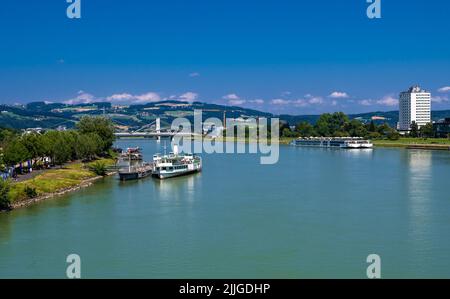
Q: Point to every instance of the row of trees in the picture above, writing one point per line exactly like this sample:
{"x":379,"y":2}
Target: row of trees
{"x":94,"y":136}
{"x":339,"y":125}
{"x":426,"y":131}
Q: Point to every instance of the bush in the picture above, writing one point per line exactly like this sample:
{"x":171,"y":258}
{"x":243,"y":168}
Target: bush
{"x":5,"y":186}
{"x":99,"y":168}
{"x":393,"y":135}
{"x":30,"y":192}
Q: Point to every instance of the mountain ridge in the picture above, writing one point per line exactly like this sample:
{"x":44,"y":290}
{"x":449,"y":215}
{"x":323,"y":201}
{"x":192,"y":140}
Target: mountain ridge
{"x":52,"y":115}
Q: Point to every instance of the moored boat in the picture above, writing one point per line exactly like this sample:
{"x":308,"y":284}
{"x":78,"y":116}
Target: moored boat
{"x":334,"y":142}
{"x":135,"y":172}
{"x":175,"y":164}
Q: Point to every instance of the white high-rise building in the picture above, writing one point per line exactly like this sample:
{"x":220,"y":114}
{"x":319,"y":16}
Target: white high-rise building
{"x":415,"y":105}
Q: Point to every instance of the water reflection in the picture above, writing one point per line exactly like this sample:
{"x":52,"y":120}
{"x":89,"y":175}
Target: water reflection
{"x":178,"y":188}
{"x":419,"y":192}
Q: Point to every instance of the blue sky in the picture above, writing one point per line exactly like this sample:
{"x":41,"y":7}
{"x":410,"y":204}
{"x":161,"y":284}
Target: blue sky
{"x":295,"y":57}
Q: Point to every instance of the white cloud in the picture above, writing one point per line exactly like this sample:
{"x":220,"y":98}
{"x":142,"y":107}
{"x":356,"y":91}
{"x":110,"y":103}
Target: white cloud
{"x":231,"y":96}
{"x":439,"y":99}
{"x":236,"y":102}
{"x":188,"y":97}
{"x":193,"y":75}
{"x":334,"y":103}
{"x":146,"y":98}
{"x":120,"y":97}
{"x":339,"y":95}
{"x":257,"y":101}
{"x":300,"y":103}
{"x":315,"y":100}
{"x":444,"y":89}
{"x":388,"y":101}
{"x":280,"y":102}
{"x":366,"y":102}
{"x":134,"y":99}
{"x":81,"y":98}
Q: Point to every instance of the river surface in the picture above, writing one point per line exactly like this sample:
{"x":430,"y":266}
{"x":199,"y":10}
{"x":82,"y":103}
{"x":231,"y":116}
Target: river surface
{"x":315,"y":214}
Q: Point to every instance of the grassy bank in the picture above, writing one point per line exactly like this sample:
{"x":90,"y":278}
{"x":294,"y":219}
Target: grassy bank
{"x":54,"y":180}
{"x":405,"y":142}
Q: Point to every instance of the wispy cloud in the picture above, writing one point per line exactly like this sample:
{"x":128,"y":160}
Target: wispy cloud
{"x":439,"y":99}
{"x":134,"y":99}
{"x":444,"y":89}
{"x":257,"y":101}
{"x":231,"y":96}
{"x":120,"y":97}
{"x":315,"y":100}
{"x":188,"y":97}
{"x":388,"y":100}
{"x":81,"y":98}
{"x":307,"y":101}
{"x":280,"y":102}
{"x":236,"y":102}
{"x":366,"y":102}
{"x":233,"y":99}
{"x":194,"y":74}
{"x":339,"y":95}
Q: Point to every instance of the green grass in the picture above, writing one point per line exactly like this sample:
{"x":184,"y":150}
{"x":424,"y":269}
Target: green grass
{"x":55,"y":180}
{"x":403,"y":142}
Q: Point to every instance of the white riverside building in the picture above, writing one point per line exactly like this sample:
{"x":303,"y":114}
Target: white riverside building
{"x":415,"y":105}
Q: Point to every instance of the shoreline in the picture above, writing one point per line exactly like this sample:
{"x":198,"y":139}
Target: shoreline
{"x":84,"y":184}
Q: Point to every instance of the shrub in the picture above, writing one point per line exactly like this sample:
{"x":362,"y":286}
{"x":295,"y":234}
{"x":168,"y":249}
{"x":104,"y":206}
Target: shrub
{"x":99,"y":168}
{"x":30,"y":192}
{"x":393,"y":135}
{"x":5,"y":186}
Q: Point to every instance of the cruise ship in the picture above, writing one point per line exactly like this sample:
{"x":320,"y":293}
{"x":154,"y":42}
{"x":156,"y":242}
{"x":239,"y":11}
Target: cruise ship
{"x":334,"y":142}
{"x":175,"y":164}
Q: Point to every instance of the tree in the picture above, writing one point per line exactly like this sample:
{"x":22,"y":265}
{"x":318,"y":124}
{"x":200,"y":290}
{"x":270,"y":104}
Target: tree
{"x":5,"y":186}
{"x":57,"y":147}
{"x":414,"y":130}
{"x":355,"y":128}
{"x":101,"y":126}
{"x":332,"y":124}
{"x":87,"y":146}
{"x":61,"y":151}
{"x":427,"y":131}
{"x":372,"y":127}
{"x":322,"y":125}
{"x":305,"y":129}
{"x":15,"y":152}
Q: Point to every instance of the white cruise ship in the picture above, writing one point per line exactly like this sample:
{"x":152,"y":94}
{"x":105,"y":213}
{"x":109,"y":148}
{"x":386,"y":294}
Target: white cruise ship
{"x":175,"y":164}
{"x":334,"y":142}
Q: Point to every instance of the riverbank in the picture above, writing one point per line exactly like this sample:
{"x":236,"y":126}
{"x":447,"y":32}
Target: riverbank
{"x":415,"y":143}
{"x":54,"y":182}
{"x":411,"y":143}
{"x":281,"y":140}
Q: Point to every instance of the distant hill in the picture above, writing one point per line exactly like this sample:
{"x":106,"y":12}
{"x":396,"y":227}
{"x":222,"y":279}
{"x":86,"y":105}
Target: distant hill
{"x":390,"y":117}
{"x":52,"y":115}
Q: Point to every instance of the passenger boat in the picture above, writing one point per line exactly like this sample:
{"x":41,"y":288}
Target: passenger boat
{"x":334,"y":142}
{"x":175,"y":164}
{"x":136,"y":172}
